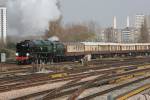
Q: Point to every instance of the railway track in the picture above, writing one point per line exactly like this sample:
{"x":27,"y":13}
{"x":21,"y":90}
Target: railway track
{"x":133,"y":92}
{"x":44,"y":77}
{"x":7,"y":69}
{"x":75,"y":75}
{"x":97,"y":65}
{"x":87,"y":85}
{"x":13,"y":69}
{"x":80,"y":70}
{"x":113,"y":88}
{"x":75,"y":86}
{"x":106,"y":61}
{"x":108,"y":78}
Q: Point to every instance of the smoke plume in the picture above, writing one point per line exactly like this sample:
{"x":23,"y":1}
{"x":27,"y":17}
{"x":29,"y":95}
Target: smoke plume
{"x":53,"y":38}
{"x":31,"y":16}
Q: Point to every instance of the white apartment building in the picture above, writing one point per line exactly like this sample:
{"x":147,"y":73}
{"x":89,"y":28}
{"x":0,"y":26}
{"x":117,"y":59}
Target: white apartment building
{"x":139,"y":20}
{"x":3,"y":24}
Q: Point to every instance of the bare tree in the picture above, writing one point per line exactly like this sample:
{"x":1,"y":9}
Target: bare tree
{"x":78,"y":32}
{"x":71,"y":32}
{"x":55,"y":28}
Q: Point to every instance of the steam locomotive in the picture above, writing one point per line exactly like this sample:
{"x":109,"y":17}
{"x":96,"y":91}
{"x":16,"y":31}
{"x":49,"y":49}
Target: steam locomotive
{"x":45,"y":51}
{"x":38,"y":50}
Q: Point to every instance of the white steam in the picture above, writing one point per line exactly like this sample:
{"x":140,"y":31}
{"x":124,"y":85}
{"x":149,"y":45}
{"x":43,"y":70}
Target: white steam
{"x":53,"y":38}
{"x":31,"y":16}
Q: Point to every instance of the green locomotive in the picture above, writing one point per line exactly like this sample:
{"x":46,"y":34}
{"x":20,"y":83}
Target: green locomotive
{"x":39,"y":51}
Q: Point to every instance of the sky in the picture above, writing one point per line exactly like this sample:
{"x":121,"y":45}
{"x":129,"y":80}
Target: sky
{"x":102,"y":11}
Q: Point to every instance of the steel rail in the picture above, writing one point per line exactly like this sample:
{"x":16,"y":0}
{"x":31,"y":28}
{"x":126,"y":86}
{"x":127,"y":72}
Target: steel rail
{"x":113,"y":88}
{"x":80,"y":90}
